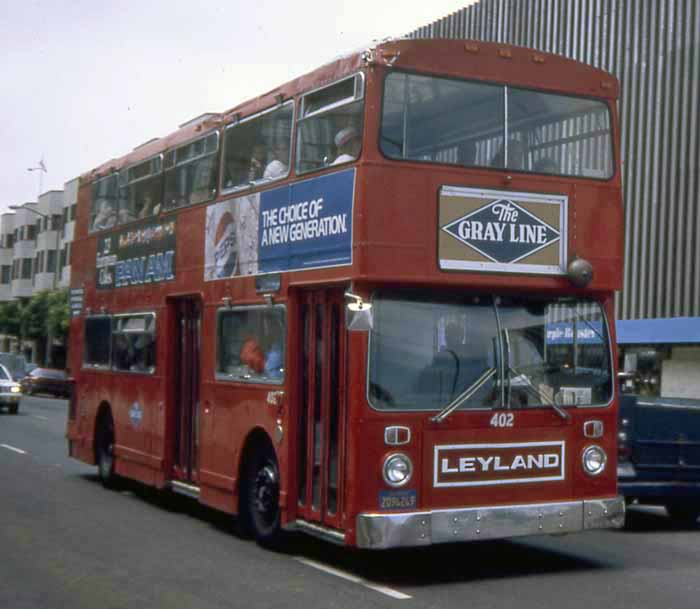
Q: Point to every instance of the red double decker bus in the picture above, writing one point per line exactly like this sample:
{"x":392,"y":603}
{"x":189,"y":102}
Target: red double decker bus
{"x":374,"y":304}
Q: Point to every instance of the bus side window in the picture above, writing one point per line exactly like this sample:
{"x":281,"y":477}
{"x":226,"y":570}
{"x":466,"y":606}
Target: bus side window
{"x":103,"y":211}
{"x":141,"y":189}
{"x":191,"y":172}
{"x":97,"y":341}
{"x":258,"y":148}
{"x":251,"y":344}
{"x":133,"y":343}
{"x":329,"y":130}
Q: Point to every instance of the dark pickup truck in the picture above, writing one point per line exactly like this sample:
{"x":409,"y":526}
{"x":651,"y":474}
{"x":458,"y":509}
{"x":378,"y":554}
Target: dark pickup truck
{"x":659,"y":454}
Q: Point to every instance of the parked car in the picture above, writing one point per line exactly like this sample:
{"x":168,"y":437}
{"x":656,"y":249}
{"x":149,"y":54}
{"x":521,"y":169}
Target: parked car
{"x":29,"y":366}
{"x":15,"y":363}
{"x":46,"y":380}
{"x":659,"y":454}
{"x":10,"y":392}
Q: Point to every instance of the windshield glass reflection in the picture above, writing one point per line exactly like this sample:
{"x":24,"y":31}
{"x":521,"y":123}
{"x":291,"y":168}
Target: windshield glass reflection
{"x":520,"y":353}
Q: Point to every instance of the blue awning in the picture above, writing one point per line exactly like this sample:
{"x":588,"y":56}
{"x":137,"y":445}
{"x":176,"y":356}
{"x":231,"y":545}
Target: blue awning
{"x":654,"y":331}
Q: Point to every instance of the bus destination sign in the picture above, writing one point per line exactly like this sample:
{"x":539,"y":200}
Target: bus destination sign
{"x":139,"y":255}
{"x":307,"y":225}
{"x":487,"y":230}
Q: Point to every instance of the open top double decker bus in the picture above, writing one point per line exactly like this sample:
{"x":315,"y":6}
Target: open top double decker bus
{"x":374,"y":304}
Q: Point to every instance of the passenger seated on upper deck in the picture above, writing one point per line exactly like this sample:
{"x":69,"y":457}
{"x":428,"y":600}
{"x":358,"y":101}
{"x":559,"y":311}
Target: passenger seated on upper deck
{"x":348,"y":143}
{"x":517,"y":156}
{"x":257,"y":163}
{"x":148,"y":208}
{"x":279,"y":165}
{"x":126,"y":214}
{"x":105,"y":216}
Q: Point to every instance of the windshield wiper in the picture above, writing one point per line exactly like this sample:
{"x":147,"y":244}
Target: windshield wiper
{"x":558,"y":409}
{"x":464,"y":396}
{"x":592,"y":327}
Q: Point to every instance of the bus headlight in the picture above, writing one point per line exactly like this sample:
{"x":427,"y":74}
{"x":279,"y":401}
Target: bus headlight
{"x":594,"y":460}
{"x":397,"y":469}
{"x":15,"y":389}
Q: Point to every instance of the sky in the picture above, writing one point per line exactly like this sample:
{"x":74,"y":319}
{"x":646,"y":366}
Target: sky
{"x":84,"y":81}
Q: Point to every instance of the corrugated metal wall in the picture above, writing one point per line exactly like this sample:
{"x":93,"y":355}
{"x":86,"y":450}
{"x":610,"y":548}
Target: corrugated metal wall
{"x":653,"y":47}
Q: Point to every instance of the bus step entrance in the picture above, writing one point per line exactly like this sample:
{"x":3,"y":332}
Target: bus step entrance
{"x":181,"y":488}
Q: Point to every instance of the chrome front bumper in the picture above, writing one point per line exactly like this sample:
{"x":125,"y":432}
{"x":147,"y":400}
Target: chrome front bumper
{"x":379,"y":531}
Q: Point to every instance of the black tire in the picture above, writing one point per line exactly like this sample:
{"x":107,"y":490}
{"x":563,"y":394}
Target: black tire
{"x":13,"y":408}
{"x":260,"y":506}
{"x":686,"y":514}
{"x":104,"y":451}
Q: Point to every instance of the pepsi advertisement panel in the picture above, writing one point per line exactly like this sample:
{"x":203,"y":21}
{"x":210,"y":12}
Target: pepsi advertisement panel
{"x":300,"y":226}
{"x":140,"y":255}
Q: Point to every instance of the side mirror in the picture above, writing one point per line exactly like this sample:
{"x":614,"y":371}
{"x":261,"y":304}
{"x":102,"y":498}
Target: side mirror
{"x":359,"y":320}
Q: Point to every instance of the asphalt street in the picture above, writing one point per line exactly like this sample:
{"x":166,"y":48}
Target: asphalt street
{"x":67,"y":543}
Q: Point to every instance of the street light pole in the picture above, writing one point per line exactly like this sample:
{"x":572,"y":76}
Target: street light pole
{"x":47,"y":218}
{"x":41,"y":168}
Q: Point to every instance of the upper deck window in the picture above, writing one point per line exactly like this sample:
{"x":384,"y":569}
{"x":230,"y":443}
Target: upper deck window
{"x":141,"y":190}
{"x":477,"y":124}
{"x":329,"y":131}
{"x":105,"y":202}
{"x":257,"y":149}
{"x":191,"y":172}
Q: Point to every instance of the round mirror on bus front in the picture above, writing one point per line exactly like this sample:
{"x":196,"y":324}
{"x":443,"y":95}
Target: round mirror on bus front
{"x":580,"y":272}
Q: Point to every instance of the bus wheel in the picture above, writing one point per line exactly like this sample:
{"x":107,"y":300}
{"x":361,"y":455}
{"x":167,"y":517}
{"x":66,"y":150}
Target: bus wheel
{"x":686,"y":514}
{"x":14,"y":408}
{"x":105,"y":450}
{"x":261,"y":497}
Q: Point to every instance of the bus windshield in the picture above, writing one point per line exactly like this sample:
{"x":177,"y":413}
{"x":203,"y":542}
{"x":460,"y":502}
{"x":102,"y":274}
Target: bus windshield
{"x":487,"y":352}
{"x":477,"y":124}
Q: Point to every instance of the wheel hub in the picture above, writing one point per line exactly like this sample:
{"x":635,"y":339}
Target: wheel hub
{"x":266,"y":492}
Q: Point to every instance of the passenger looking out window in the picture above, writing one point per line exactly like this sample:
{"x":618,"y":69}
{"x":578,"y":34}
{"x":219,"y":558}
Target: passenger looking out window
{"x":252,"y":354}
{"x":348,"y":143}
{"x":141,"y":190}
{"x":105,"y":217}
{"x":103,"y":212}
{"x":257,"y":148}
{"x":329,"y":130}
{"x":251,"y":344}
{"x":279,"y":163}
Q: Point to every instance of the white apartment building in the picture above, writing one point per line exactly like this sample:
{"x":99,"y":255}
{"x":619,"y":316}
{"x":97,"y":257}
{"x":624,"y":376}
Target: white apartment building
{"x":7,"y":243}
{"x":48,"y":221}
{"x":36,"y":242}
{"x":70,"y":205}
{"x":23,"y":250}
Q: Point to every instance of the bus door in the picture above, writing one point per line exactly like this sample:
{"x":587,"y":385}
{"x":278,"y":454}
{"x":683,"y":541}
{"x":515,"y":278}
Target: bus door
{"x":322,"y":407}
{"x":188,"y":319}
